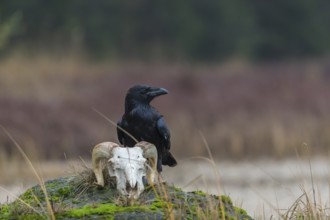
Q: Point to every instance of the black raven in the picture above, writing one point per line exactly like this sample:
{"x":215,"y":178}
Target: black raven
{"x":144,"y":123}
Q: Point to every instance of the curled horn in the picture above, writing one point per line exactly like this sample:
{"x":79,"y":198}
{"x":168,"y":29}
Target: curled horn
{"x":150,"y":153}
{"x":100,"y":156}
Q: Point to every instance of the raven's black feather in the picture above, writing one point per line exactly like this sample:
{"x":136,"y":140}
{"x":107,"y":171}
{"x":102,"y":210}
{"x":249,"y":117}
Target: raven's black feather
{"x":144,"y":123}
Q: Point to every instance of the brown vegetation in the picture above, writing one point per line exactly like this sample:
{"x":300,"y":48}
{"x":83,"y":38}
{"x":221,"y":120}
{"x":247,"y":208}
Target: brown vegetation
{"x":242,"y":110}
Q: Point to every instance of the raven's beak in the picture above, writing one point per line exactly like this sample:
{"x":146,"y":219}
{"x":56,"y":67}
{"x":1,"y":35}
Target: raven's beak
{"x":154,"y":92}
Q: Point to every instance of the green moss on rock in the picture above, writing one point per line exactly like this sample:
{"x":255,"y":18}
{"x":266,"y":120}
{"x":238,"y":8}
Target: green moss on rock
{"x":75,"y":198}
{"x":105,"y":210}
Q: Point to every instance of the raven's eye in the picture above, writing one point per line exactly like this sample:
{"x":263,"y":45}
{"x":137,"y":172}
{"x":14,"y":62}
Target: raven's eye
{"x":145,"y":90}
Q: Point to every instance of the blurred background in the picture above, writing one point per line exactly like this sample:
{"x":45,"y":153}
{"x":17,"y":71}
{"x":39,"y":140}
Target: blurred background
{"x":252,"y":77}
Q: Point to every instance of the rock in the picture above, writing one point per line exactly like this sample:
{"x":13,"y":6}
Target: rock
{"x":76,"y":197}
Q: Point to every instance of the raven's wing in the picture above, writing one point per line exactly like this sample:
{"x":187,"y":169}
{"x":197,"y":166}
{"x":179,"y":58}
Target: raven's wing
{"x":167,"y":157}
{"x":120,"y":133}
{"x":164,"y":132}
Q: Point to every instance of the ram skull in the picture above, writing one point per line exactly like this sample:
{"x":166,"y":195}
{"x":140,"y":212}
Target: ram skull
{"x":128,"y":165}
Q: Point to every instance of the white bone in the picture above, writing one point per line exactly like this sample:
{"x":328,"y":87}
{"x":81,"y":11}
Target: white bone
{"x":128,"y":165}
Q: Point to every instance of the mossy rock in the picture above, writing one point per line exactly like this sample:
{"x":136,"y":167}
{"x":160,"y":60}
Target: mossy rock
{"x":76,"y":197}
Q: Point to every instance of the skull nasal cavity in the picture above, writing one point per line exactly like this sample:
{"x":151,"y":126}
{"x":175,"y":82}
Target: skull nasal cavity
{"x":129,"y":188}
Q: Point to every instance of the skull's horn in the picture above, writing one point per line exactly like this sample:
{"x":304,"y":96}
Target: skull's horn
{"x":100,"y":156}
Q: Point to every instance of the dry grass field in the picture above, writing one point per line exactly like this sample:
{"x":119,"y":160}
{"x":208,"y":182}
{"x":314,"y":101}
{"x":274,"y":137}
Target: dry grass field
{"x":243,"y":110}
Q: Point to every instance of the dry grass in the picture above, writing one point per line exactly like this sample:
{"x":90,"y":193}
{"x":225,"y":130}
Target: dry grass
{"x":49,"y":209}
{"x":243,"y":110}
{"x":306,"y":207}
{"x":309,"y":205}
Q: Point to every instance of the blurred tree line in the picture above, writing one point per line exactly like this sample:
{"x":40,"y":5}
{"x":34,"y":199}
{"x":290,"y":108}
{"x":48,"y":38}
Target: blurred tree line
{"x":171,"y":29}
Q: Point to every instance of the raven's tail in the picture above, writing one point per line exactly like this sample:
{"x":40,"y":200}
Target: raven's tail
{"x":170,"y":160}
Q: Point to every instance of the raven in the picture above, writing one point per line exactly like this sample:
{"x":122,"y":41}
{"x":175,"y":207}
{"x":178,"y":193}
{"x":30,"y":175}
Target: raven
{"x":144,"y":123}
